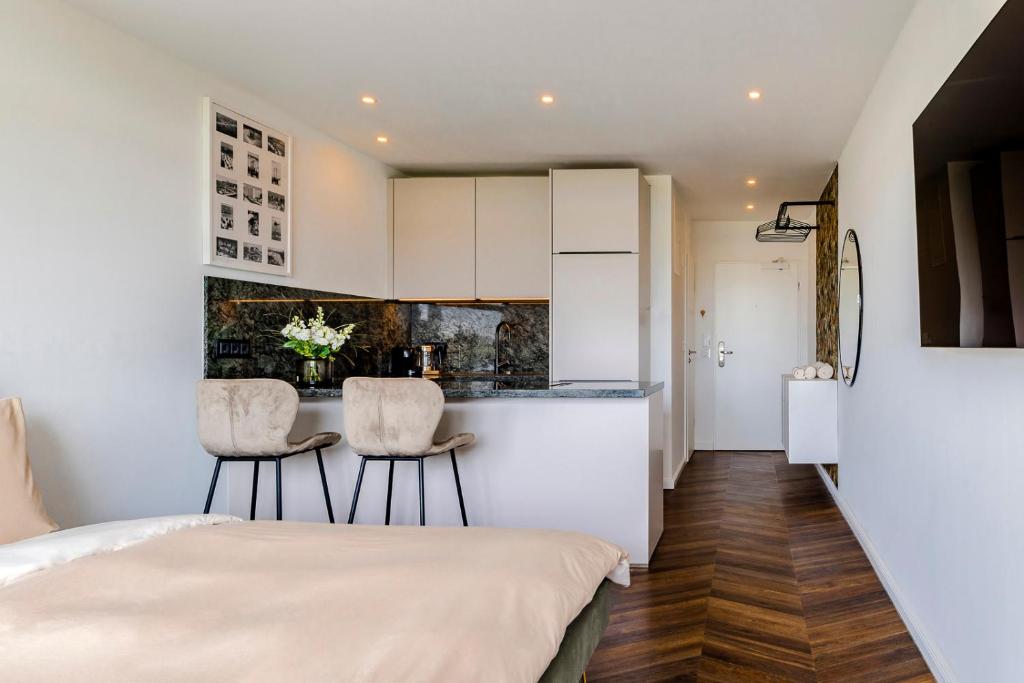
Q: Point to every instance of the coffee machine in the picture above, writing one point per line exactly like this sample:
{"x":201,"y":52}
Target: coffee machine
{"x":432,"y":358}
{"x":405,"y":362}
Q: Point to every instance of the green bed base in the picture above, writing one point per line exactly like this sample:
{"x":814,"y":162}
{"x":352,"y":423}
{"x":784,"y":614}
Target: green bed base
{"x":581,"y":639}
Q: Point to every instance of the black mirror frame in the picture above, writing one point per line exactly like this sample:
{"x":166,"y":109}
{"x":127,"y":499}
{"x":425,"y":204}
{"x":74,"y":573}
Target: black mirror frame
{"x":851,"y":236}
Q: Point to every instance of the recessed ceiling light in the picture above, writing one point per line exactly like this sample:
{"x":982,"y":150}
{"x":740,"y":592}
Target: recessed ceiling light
{"x":750,"y":207}
{"x":754,"y":94}
{"x":751,"y":181}
{"x":369,"y":99}
{"x":547,"y":99}
{"x":382,"y":138}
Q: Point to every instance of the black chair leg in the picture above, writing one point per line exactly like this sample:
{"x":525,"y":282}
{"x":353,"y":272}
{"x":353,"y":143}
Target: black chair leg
{"x":278,"y":461}
{"x":323,"y":480}
{"x":423,"y":509}
{"x":213,"y":487}
{"x":355,"y":496}
{"x":391,"y":481}
{"x":255,"y":486}
{"x":458,"y":487}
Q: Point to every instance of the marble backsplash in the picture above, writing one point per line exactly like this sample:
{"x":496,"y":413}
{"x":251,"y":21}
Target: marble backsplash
{"x":468,"y":331}
{"x":255,"y":313}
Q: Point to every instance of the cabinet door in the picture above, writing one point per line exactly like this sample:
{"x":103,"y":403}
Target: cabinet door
{"x":596,"y":210}
{"x":513,"y":238}
{"x":595,"y":317}
{"x":434,"y":238}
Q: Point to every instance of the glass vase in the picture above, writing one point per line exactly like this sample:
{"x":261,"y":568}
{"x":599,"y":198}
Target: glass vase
{"x":315,"y":371}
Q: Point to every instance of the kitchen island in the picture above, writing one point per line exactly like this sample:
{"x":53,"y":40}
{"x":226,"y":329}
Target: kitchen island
{"x":517,"y":386}
{"x":580,"y":456}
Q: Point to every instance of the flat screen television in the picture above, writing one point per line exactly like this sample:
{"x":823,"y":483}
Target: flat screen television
{"x":969,"y":176}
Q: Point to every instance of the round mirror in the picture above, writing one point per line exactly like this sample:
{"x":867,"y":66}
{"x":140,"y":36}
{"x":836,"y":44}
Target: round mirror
{"x":851,"y":307}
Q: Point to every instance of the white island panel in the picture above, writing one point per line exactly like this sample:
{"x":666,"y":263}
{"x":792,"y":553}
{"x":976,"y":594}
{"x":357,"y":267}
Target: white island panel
{"x":589,"y":465}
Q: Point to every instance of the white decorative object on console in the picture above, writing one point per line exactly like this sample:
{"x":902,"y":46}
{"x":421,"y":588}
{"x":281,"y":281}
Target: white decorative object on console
{"x":810,"y":420}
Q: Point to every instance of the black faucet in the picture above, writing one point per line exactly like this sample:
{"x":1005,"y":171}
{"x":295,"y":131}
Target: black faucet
{"x":502,"y":337}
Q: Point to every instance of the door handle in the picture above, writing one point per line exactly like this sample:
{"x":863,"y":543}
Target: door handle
{"x":722,"y":353}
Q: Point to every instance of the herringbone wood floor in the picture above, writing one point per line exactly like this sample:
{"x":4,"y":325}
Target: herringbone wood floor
{"x":757,"y":578}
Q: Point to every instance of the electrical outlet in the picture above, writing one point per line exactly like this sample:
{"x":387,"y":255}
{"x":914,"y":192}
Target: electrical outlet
{"x":233,"y":348}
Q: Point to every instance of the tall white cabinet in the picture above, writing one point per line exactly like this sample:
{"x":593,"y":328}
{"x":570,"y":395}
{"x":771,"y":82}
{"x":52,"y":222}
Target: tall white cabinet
{"x":600,"y":298}
{"x":597,"y":210}
{"x":594,"y":320}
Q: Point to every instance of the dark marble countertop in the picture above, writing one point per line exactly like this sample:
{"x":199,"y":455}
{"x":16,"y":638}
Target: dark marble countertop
{"x":519,"y":387}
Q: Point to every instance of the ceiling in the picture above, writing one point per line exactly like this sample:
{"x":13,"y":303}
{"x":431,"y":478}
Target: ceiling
{"x":660,"y":83}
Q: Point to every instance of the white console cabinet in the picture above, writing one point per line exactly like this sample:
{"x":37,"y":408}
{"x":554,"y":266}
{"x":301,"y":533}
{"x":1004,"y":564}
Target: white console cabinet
{"x":810,"y":420}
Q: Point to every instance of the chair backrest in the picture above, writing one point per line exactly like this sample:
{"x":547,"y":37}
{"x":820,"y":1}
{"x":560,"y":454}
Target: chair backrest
{"x":394,"y":416}
{"x":245,"y":417}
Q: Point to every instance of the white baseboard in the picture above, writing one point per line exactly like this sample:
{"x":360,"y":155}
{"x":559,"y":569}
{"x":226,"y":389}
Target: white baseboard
{"x":703,"y":445}
{"x":940,"y":668}
{"x":671,"y":483}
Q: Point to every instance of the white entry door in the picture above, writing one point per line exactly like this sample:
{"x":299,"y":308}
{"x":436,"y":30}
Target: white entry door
{"x":755,"y":343}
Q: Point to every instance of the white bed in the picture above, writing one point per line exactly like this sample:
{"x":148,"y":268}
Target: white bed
{"x":209,"y":597}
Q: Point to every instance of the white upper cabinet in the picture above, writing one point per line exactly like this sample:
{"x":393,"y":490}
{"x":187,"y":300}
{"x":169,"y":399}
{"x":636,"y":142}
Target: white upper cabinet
{"x":434,"y":238}
{"x":513,"y":238}
{"x":596,"y":210}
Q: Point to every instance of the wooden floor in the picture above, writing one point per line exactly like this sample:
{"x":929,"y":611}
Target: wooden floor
{"x":757,"y":578}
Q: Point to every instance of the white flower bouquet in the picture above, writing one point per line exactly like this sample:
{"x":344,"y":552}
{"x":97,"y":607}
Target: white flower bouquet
{"x":315,"y":340}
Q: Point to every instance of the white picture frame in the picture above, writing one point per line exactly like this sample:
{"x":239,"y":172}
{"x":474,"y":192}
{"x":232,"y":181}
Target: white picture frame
{"x":247,"y":197}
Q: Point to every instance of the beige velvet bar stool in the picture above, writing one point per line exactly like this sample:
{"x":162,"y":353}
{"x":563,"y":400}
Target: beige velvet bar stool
{"x":248,"y":420}
{"x":394,"y":420}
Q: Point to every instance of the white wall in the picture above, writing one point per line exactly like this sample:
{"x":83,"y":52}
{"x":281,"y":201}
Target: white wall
{"x":101,"y":316}
{"x":669,"y":235}
{"x":733,"y":241}
{"x":682,"y":333}
{"x":931,"y":440}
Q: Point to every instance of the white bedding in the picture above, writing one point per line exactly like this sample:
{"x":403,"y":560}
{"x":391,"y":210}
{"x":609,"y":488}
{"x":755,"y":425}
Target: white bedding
{"x":20,"y":559}
{"x":209,"y":597}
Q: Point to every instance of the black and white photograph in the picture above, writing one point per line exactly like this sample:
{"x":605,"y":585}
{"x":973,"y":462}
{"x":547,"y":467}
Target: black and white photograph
{"x":227,"y":125}
{"x":227,"y":188}
{"x":227,"y":156}
{"x":275,"y":146}
{"x":275,"y":257}
{"x":248,"y":226}
{"x":252,"y":252}
{"x":227,"y":248}
{"x":253,"y":194}
{"x":274,"y":200}
{"x":227,"y":217}
{"x":254,"y":136}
